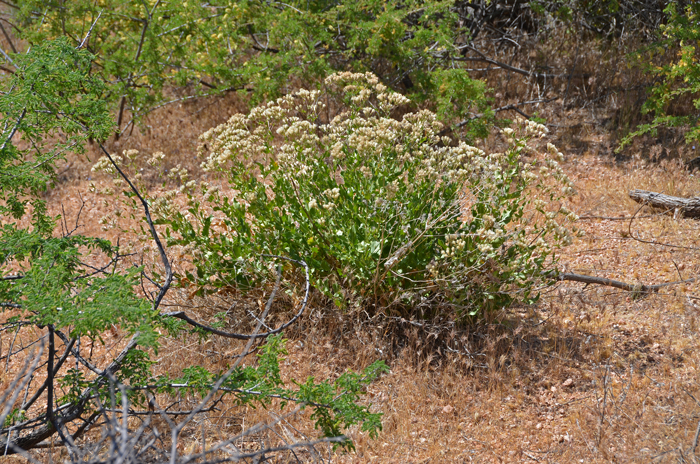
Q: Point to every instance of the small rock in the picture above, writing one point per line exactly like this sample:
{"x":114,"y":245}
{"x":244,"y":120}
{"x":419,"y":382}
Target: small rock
{"x":448,"y":409}
{"x":568,"y":382}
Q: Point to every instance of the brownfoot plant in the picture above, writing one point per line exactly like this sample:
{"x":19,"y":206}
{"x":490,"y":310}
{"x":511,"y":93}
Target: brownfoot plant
{"x":389,"y":215}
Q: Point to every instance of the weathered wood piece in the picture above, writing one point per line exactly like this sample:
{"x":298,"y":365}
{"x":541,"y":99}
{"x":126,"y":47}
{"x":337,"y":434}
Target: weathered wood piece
{"x":689,"y":207}
{"x":634,"y":288}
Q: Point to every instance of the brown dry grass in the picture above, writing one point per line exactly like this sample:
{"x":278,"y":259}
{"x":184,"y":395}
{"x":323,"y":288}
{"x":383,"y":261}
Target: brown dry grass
{"x":589,"y":374}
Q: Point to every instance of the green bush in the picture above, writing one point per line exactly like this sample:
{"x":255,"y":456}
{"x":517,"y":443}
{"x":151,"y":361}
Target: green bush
{"x":146,"y":48}
{"x":677,"y":80}
{"x":387,"y":214}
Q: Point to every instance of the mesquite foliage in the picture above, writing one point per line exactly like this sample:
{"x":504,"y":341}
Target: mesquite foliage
{"x":63,"y":294}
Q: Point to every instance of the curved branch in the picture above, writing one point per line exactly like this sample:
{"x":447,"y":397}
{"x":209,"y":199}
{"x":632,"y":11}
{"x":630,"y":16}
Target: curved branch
{"x":161,"y":250}
{"x":175,"y":432}
{"x":182,"y":316}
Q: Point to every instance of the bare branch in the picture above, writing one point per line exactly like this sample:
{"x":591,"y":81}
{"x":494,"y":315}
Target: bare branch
{"x":7,"y":37}
{"x":10,"y":4}
{"x":87,"y":36}
{"x":181,"y":314}
{"x":27,"y":404}
{"x":483,"y":58}
{"x":7,"y":57}
{"x":14,"y":129}
{"x":163,"y":256}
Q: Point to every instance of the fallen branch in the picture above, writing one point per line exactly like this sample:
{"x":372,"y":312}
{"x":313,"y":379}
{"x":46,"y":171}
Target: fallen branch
{"x":513,"y":107}
{"x":183,"y":316}
{"x":634,"y":288}
{"x":689,"y":207}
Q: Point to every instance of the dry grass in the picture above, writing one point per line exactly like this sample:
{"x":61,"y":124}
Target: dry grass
{"x":588,"y":374}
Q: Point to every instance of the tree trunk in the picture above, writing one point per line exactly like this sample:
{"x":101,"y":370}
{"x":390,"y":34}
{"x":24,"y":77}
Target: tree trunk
{"x":689,"y":207}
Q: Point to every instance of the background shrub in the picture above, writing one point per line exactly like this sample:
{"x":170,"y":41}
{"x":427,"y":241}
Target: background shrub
{"x":145,"y":48}
{"x":678,"y":81}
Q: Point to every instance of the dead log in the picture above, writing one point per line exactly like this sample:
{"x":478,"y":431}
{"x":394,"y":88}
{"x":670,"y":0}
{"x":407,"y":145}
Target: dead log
{"x":636,"y":289}
{"x":688,"y":207}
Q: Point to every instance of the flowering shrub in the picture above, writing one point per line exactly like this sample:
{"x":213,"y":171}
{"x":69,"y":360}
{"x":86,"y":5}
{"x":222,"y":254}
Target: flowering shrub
{"x":387,"y":214}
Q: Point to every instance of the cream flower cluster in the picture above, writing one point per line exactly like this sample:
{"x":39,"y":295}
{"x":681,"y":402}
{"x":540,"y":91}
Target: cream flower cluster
{"x":285,"y":131}
{"x":230,"y":141}
{"x":163,"y":206}
{"x":454,"y":244}
{"x":156,"y":158}
{"x":105,"y":165}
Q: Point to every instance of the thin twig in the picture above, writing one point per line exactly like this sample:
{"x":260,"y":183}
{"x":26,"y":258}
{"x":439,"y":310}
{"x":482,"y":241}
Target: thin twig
{"x":639,"y":288}
{"x":652,"y":242}
{"x":87,"y":36}
{"x":696,"y":439}
{"x":154,"y":234}
{"x":183,"y":316}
